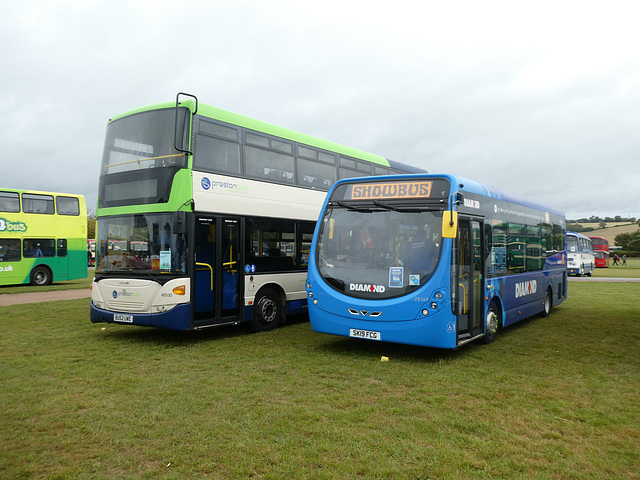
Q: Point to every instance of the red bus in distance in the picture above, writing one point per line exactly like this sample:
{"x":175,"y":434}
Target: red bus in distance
{"x":601,"y":250}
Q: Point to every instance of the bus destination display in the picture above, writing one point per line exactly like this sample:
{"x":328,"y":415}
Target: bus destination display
{"x":388,"y":190}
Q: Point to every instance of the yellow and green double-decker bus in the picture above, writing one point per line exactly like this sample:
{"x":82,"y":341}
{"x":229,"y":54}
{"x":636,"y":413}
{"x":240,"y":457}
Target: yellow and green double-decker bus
{"x":43,"y":237}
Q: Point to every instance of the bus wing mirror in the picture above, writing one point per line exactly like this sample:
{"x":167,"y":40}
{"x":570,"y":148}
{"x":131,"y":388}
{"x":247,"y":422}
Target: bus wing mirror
{"x":449,"y":224}
{"x":179,"y":222}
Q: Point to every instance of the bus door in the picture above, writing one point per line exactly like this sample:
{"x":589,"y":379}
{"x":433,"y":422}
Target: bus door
{"x":469,"y":262}
{"x":217,"y":278}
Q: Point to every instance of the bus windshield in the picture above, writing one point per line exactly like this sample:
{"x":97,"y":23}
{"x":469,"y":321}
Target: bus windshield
{"x":140,"y":159}
{"x":373,"y":253}
{"x":140,"y":243}
{"x":572,"y":244}
{"x":143,"y":140}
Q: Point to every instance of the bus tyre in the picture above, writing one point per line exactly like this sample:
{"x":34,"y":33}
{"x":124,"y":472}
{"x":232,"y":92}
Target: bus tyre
{"x":40,"y":276}
{"x":267,"y":311}
{"x":546,"y":309}
{"x":492,"y":322}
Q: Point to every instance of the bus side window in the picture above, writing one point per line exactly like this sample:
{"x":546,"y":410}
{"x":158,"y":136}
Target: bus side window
{"x":9,"y":250}
{"x":62,"y":247}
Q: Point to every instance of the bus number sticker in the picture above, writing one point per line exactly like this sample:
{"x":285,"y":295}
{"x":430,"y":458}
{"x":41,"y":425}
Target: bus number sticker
{"x":367,"y":334}
{"x":396,"y":274}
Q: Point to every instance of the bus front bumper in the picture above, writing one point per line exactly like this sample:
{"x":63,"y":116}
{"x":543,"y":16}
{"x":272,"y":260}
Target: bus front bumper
{"x":424,"y":332}
{"x":178,"y":318}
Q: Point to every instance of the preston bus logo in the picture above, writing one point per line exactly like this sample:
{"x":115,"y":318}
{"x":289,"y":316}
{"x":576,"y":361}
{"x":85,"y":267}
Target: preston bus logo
{"x":7,"y":226}
{"x":124,"y":293}
{"x":526,"y":288}
{"x":206,"y":184}
{"x":363,"y":287}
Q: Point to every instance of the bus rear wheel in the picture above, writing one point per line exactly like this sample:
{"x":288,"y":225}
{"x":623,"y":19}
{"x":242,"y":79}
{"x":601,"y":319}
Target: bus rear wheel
{"x":40,"y":276}
{"x":547,"y":303}
{"x":267,"y":311}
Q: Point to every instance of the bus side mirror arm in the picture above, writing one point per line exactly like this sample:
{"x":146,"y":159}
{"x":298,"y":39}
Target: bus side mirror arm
{"x":175,"y":126}
{"x":179,"y":223}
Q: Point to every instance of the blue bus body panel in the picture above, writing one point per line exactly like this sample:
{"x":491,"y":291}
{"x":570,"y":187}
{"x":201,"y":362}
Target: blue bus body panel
{"x":204,"y":294}
{"x":178,"y":318}
{"x":522,"y":296}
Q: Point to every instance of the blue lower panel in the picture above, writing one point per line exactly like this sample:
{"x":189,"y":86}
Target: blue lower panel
{"x":178,"y":318}
{"x":297,"y":306}
{"x":425,"y":332}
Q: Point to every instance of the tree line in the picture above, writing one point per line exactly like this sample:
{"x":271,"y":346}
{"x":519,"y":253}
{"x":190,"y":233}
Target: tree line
{"x":629,"y":241}
{"x":596,"y":219}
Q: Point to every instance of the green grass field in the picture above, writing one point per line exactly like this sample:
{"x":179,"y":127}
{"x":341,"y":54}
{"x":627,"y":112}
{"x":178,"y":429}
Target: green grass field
{"x":552,"y":398}
{"x":630,"y":270}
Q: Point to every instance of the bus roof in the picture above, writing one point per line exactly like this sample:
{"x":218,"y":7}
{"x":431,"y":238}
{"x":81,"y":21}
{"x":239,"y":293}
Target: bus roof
{"x":39,"y":192}
{"x":578,"y":234}
{"x":261,"y":126}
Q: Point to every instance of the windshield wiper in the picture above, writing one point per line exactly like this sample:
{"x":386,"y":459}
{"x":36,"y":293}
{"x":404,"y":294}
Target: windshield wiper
{"x":403,"y":208}
{"x":386,"y":206}
{"x":352,"y":207}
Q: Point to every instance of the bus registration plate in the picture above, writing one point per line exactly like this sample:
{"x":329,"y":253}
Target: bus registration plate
{"x":118,"y":317}
{"x":368,"y":334}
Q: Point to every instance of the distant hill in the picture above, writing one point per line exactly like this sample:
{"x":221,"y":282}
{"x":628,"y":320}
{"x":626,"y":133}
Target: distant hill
{"x":610,"y":231}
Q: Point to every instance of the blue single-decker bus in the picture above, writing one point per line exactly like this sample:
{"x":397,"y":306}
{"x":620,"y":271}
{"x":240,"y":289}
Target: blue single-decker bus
{"x":432,"y":260}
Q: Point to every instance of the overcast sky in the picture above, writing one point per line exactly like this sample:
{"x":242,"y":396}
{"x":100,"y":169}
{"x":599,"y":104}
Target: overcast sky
{"x":538,"y":98}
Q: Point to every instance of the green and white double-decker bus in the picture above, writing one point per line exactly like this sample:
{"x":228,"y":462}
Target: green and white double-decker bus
{"x":43,"y":237}
{"x":205,"y":217}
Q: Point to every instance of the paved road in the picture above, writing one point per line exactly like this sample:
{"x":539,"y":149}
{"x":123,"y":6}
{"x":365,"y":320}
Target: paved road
{"x":35,"y":297}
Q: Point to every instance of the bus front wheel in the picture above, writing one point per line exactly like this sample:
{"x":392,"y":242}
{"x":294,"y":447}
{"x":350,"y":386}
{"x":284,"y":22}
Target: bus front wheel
{"x":40,"y":276}
{"x":492,"y":322}
{"x":267,"y":311}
